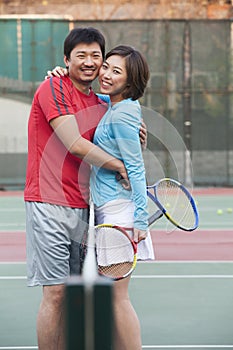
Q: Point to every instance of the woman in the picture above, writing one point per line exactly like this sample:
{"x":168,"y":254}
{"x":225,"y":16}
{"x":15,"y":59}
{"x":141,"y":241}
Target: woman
{"x":123,"y":78}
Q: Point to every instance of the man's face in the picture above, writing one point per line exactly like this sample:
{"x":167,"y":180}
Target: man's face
{"x":84,"y":64}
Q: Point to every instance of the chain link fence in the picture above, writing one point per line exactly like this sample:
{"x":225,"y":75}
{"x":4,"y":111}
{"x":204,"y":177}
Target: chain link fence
{"x":191,"y":87}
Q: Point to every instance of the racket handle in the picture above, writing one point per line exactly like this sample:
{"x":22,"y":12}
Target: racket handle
{"x":124,"y":183}
{"x":157,"y":215}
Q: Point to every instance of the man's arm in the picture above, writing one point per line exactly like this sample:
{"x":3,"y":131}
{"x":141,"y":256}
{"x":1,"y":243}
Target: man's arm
{"x":66,"y":128}
{"x":143,"y":135}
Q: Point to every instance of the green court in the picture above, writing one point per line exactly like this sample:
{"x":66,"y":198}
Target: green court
{"x":182,"y":304}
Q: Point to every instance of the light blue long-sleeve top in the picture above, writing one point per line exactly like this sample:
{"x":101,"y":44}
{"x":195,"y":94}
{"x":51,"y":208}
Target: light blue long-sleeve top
{"x":118,"y":134}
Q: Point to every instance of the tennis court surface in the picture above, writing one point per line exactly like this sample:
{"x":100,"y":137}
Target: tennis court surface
{"x":184,"y":299}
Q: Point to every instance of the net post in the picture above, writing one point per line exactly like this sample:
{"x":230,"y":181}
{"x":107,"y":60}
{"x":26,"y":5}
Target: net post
{"x":78,"y":329}
{"x":104,"y":319}
{"x":75,"y":313}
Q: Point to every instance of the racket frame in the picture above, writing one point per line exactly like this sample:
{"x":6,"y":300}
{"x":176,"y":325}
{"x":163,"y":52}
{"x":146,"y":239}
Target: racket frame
{"x":133,"y":244}
{"x":163,"y":210}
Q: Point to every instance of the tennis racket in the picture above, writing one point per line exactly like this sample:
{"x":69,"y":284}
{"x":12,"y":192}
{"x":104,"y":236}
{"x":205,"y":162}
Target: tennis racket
{"x":116,"y":252}
{"x":174,"y":202}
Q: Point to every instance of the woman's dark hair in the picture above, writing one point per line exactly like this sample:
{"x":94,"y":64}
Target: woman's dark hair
{"x":136,"y":68}
{"x":80,"y":35}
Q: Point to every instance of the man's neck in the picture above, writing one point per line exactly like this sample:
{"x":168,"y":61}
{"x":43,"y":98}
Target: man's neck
{"x":84,"y":87}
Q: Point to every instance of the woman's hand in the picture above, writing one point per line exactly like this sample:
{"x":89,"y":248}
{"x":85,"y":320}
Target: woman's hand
{"x":57,"y":72}
{"x":139,"y":235}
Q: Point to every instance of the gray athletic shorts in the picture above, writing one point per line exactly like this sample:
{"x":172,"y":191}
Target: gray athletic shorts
{"x":55,"y":242}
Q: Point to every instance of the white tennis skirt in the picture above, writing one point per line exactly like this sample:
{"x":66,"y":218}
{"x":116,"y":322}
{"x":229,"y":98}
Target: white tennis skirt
{"x":120,"y":212}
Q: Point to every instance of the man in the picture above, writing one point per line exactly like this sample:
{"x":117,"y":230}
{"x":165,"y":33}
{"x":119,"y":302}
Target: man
{"x":64,"y":114}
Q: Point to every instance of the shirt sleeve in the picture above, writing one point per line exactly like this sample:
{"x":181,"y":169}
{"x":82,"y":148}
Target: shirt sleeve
{"x":104,"y":98}
{"x":125,"y":127}
{"x":55,"y":98}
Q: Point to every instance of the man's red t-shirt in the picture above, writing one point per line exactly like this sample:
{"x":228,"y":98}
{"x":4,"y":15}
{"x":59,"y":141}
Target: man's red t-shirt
{"x":54,"y":175}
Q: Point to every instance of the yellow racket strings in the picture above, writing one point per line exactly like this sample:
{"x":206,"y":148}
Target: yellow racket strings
{"x":176,"y":203}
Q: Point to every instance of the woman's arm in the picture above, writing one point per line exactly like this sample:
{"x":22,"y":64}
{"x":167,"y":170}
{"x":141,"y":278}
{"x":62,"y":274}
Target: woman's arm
{"x":125,"y":129}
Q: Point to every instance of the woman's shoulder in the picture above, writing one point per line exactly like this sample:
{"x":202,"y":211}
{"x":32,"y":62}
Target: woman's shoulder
{"x":127,"y":107}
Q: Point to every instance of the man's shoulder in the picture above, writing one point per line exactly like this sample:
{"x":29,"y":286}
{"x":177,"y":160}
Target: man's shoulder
{"x":54,"y":82}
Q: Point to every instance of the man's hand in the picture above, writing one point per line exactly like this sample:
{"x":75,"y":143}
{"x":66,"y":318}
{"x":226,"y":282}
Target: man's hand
{"x":143,"y":135}
{"x":122,"y":178}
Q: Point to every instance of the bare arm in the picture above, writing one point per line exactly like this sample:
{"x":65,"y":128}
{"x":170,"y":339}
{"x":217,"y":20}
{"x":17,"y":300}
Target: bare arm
{"x":143,"y":135}
{"x":66,"y":128}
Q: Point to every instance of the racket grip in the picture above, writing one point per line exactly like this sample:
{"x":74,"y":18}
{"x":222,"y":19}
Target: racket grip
{"x":124,"y":183}
{"x":157,"y":215}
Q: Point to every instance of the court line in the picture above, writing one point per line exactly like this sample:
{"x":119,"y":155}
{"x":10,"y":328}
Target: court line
{"x":13,"y":263}
{"x":17,"y":347}
{"x":161,"y":262}
{"x":8,"y":278}
{"x":12,"y":209}
{"x":7,"y":228}
{"x":14,"y":278}
{"x":2,"y":230}
{"x":214,"y":229}
{"x":158,"y":262}
{"x":143,"y":347}
{"x":151,"y":262}
{"x":181,"y":276}
{"x":186,"y":346}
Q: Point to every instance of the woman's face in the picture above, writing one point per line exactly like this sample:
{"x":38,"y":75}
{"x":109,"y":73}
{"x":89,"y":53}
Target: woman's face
{"x":113,"y":77}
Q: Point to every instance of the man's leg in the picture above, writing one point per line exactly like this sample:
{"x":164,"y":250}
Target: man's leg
{"x":54,"y":234}
{"x":50,"y":321}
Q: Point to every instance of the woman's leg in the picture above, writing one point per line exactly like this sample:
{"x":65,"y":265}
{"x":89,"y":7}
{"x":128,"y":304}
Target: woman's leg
{"x":127,"y":334}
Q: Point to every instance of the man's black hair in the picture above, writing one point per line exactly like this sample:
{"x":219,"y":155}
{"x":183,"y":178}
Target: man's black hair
{"x":86,"y":35}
